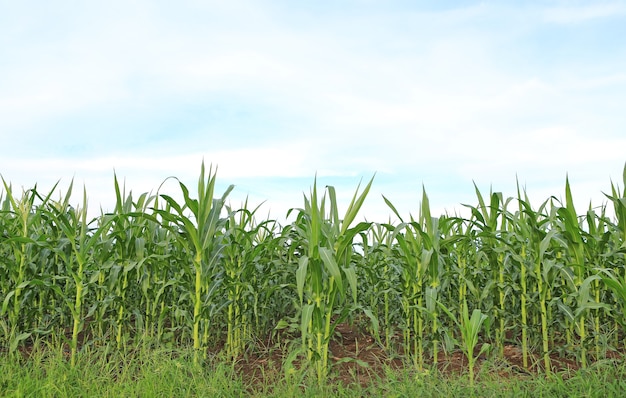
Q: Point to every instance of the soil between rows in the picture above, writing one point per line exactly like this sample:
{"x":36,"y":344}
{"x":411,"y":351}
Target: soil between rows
{"x":357,"y":358}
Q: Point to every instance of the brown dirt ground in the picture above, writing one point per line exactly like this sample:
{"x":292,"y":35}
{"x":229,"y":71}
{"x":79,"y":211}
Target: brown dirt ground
{"x":357,"y":358}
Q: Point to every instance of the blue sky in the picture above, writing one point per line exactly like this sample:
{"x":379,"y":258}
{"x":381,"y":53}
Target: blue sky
{"x":440,"y":94}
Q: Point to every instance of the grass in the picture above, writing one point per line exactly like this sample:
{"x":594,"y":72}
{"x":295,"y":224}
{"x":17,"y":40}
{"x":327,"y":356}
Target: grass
{"x":106,"y":372}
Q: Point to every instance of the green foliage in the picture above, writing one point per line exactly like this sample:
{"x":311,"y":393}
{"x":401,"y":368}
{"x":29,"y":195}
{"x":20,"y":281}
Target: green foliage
{"x":160,"y":271}
{"x":326,"y":273}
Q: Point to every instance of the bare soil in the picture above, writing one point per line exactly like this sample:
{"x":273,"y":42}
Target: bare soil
{"x":357,"y":358}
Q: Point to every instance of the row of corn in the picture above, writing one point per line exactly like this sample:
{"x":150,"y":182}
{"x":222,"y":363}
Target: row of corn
{"x":199,"y":272}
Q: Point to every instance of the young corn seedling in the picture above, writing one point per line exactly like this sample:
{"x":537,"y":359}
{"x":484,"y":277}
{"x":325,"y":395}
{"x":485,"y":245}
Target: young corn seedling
{"x":470,"y":330}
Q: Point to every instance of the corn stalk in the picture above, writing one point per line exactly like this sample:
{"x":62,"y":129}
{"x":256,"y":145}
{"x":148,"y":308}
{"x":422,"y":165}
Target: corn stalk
{"x":326,"y":272}
{"x":200,"y":233}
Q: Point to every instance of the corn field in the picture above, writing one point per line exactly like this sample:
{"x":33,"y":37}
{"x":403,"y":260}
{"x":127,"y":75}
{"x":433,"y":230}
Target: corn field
{"x":197,"y":272}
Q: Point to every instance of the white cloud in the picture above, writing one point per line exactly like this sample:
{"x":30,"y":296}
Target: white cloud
{"x":402,"y":92}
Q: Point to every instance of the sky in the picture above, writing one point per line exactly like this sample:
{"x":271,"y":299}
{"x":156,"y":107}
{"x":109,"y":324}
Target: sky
{"x":417,"y":94}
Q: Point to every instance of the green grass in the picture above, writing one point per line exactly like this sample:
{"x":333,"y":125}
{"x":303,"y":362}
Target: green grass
{"x":105,"y":372}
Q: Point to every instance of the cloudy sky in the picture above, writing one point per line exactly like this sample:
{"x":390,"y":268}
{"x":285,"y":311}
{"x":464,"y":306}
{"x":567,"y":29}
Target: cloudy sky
{"x":441,"y":94}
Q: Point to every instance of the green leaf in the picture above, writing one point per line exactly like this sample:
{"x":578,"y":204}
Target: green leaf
{"x":15,"y":341}
{"x":301,"y":273}
{"x":350,"y":273}
{"x":307,"y":315}
{"x":327,"y":256}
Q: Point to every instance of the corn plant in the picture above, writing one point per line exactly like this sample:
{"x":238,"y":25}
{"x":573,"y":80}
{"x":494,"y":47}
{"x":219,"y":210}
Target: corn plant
{"x":414,"y":260}
{"x":420,"y":278}
{"x":381,"y":269}
{"x":432,"y":231}
{"x":529,"y":239}
{"x":200,"y":234}
{"x":275,"y":262}
{"x":615,"y":277}
{"x":470,"y":329}
{"x":325,"y":271}
{"x":245,"y":243}
{"x":538,"y":242}
{"x":154,"y":254}
{"x":130,"y":272}
{"x":23,"y":234}
{"x":584,"y":281}
{"x":598,"y":252}
{"x":82,"y":241}
{"x":490,"y":221}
